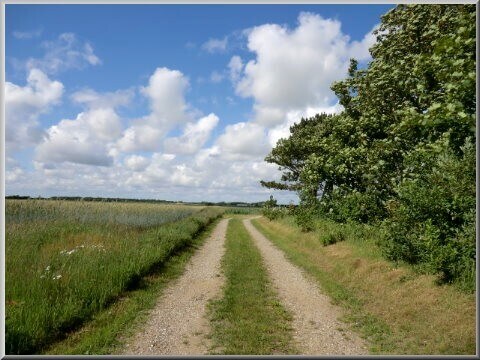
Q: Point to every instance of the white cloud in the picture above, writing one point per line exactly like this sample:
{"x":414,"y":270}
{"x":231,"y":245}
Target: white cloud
{"x":294,"y":69}
{"x":66,"y":52}
{"x":13,"y":175}
{"x":360,"y":49}
{"x":243,"y":141}
{"x":83,"y":140}
{"x":289,"y":78}
{"x":136,"y":162}
{"x":23,"y":106}
{"x":92,"y":99}
{"x":166,"y":94}
{"x":22,"y":35}
{"x":215,"y":45}
{"x":194,"y":136}
{"x":291,"y":117}
{"x":166,"y":90}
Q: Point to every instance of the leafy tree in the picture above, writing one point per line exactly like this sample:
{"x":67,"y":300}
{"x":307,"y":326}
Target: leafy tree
{"x":401,"y":149}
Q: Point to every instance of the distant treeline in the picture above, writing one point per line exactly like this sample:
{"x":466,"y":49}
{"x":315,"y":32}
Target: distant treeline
{"x":89,"y":198}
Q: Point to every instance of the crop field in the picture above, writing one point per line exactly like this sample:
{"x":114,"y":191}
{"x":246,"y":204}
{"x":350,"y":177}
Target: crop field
{"x":65,"y":260}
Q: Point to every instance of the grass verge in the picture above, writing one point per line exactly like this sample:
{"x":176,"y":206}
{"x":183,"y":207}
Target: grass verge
{"x":396,"y":309}
{"x":111,"y":328}
{"x":62,"y":270}
{"x":249,"y":318}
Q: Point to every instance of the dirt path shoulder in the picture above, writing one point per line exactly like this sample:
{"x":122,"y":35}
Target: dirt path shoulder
{"x":178,"y":324}
{"x":315,"y":319}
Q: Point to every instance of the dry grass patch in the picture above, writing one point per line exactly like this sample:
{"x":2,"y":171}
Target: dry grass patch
{"x":420,"y":317}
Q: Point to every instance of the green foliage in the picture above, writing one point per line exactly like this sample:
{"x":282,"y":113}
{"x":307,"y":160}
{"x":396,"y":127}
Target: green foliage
{"x":61,"y":270}
{"x":344,"y":205}
{"x":433,"y":221}
{"x":271,"y":211}
{"x":332,"y":237}
{"x":398,"y":150}
{"x":305,"y":218}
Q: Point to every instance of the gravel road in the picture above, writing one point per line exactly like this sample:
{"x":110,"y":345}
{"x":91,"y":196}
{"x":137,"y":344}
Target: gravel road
{"x":315,"y":319}
{"x":178,"y":324}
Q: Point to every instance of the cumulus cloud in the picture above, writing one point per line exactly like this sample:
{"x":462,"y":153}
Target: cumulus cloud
{"x":215,"y":45}
{"x":24,"y":105}
{"x":294,"y":68}
{"x":136,"y":162}
{"x":194,"y":136}
{"x":83,"y":140}
{"x":64,"y":53}
{"x":360,"y":49}
{"x":293,"y":116}
{"x":12,"y":175}
{"x":166,"y":94}
{"x":243,"y":140}
{"x":288,"y":78}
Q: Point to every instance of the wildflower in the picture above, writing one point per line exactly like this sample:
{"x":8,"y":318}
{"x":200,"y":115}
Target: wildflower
{"x":56,"y":277}
{"x":47,"y":268}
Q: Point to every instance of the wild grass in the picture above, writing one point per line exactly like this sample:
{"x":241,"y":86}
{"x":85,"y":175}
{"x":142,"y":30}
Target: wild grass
{"x":248,"y":210}
{"x":399,"y":310}
{"x":63,"y":264}
{"x":112,"y":327}
{"x":248,"y":319}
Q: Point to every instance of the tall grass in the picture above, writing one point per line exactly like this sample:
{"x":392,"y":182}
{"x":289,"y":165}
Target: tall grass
{"x":67,"y":260}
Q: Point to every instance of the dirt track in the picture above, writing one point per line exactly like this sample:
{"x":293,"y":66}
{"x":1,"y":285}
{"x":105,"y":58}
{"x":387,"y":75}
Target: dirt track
{"x":314,"y":317}
{"x":177,"y":325}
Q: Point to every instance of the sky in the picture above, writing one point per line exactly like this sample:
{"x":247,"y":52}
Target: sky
{"x":172,"y":102}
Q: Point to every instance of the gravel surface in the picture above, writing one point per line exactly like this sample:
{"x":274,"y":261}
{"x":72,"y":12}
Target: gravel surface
{"x":315,"y":319}
{"x":178,"y":324}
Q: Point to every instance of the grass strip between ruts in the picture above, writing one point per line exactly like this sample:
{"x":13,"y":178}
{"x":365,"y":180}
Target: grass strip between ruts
{"x":249,"y":319}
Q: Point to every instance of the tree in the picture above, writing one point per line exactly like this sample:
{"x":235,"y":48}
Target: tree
{"x":401,"y":149}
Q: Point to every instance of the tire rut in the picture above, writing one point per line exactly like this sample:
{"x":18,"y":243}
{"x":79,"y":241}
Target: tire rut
{"x":317,"y":330}
{"x":178,"y":325}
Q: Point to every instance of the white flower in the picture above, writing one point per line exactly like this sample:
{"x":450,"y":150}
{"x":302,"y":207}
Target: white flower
{"x":56,"y":277}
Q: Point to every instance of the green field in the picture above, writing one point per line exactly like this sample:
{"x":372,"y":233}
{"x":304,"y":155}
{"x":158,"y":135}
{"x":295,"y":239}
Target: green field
{"x":66,"y":260}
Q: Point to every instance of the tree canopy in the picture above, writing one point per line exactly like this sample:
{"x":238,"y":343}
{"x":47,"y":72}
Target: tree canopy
{"x":402,"y":149}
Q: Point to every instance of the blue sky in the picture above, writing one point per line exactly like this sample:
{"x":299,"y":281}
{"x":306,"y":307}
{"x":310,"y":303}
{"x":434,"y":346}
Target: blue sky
{"x":177,"y":102}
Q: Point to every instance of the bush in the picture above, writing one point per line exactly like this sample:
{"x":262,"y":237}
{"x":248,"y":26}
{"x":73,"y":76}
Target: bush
{"x":345,"y":205}
{"x":271,"y":211}
{"x":433,"y":221}
{"x":304,"y":218}
{"x":332,"y":237}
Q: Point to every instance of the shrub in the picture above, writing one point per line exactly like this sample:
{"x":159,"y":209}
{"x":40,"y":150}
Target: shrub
{"x":433,"y":221}
{"x":304,"y":218}
{"x":345,"y":205}
{"x":332,"y":237}
{"x":271,"y":211}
